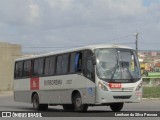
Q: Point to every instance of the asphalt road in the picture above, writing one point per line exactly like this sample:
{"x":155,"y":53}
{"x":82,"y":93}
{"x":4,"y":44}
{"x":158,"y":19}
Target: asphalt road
{"x":7,"y":103}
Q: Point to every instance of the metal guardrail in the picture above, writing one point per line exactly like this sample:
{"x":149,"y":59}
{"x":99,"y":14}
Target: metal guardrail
{"x":151,"y":81}
{"x":151,"y":87}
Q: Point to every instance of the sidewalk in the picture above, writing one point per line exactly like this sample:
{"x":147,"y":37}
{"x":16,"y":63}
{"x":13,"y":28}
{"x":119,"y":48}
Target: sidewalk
{"x":6,"y":93}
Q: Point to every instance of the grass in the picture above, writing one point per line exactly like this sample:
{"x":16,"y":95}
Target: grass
{"x":151,"y":92}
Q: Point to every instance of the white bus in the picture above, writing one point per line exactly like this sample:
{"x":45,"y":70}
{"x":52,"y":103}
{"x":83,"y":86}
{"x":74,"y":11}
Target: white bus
{"x":96,"y":75}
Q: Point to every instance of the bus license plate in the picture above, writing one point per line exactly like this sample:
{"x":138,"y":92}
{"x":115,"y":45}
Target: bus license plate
{"x":115,"y":85}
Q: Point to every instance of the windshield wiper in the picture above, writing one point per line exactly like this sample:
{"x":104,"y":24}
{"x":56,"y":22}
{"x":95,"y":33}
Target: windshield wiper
{"x":130,"y":73}
{"x":125,"y":66}
{"x":115,"y":68}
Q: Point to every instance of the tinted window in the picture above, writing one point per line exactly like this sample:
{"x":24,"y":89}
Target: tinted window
{"x":18,"y":69}
{"x":46,"y":69}
{"x":27,"y":68}
{"x":38,"y":66}
{"x":75,"y":62}
{"x":72,"y":63}
{"x":65,"y":64}
{"x":59,"y":65}
{"x":78,"y":61}
{"x":49,"y":66}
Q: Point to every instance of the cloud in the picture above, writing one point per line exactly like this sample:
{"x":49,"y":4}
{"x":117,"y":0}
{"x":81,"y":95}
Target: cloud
{"x":33,"y":12}
{"x":78,"y":22}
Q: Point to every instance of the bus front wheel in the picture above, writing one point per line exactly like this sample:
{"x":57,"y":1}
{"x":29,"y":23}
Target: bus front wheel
{"x":37,"y":105}
{"x":78,"y":105}
{"x":116,"y":107}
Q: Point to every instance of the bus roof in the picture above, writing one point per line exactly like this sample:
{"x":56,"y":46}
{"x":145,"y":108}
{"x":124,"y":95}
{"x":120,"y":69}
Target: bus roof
{"x":91,"y":47}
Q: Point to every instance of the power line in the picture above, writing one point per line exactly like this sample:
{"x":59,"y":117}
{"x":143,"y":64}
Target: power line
{"x":61,"y":47}
{"x":125,"y":43}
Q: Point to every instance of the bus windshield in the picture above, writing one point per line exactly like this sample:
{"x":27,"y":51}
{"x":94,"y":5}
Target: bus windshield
{"x":117,"y":65}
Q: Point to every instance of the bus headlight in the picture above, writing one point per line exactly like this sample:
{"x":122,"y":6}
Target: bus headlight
{"x":102,"y":86}
{"x":139,"y":87}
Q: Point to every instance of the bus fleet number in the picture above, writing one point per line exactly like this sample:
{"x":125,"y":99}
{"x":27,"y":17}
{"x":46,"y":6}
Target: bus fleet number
{"x":69,"y":82}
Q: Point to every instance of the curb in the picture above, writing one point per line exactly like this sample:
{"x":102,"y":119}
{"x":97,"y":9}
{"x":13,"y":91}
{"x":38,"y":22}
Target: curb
{"x":150,"y":98}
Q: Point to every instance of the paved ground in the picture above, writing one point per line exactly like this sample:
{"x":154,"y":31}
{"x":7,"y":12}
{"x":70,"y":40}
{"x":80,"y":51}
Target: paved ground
{"x":7,"y":104}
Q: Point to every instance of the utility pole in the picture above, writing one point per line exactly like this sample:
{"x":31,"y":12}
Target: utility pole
{"x":136,"y":34}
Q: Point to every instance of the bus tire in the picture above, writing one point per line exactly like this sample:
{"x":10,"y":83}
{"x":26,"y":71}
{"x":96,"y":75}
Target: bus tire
{"x":36,"y":105}
{"x":78,"y":105}
{"x":68,"y":107}
{"x":116,"y":107}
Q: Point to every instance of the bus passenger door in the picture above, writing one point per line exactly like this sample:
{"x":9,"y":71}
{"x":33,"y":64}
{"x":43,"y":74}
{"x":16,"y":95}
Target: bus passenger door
{"x":89,"y":74}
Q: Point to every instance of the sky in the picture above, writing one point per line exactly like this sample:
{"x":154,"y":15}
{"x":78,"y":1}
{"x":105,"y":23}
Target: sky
{"x":51,"y":25}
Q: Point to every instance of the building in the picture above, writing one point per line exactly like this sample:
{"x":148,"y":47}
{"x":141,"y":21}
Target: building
{"x":8,"y":52}
{"x":150,"y":58}
{"x":157,"y":67}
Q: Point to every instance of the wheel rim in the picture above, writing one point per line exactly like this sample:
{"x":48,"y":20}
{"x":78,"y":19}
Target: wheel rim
{"x":78,"y":102}
{"x":35,"y":102}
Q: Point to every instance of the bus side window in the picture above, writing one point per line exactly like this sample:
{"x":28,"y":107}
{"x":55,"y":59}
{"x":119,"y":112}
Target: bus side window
{"x":38,"y":66}
{"x":65,"y":63}
{"x":18,"y":69}
{"x":35,"y":70}
{"x":47,"y":64}
{"x":78,"y":62}
{"x":49,"y":67}
{"x":59,"y":65}
{"x":27,"y":68}
{"x":72,"y":63}
{"x":52,"y":65}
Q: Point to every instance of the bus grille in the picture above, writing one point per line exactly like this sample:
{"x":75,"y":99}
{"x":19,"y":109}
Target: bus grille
{"x":127,"y":89}
{"x":122,"y":97}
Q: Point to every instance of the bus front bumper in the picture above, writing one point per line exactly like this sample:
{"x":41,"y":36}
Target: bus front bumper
{"x":118,"y":96}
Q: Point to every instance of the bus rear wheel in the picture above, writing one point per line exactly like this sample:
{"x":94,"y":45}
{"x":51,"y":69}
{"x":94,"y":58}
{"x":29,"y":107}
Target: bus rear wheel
{"x":37,"y":105}
{"x":116,"y":107}
{"x":78,"y":105}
